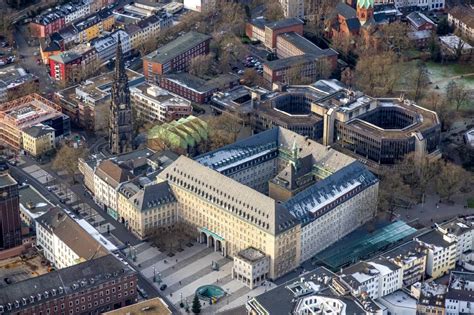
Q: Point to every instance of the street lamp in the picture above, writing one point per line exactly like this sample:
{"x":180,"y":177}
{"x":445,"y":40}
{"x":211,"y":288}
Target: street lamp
{"x":154,"y":274}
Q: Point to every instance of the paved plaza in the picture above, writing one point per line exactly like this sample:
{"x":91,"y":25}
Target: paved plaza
{"x":190,"y":269}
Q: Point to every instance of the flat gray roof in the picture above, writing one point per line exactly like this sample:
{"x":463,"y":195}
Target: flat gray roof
{"x":6,"y":180}
{"x":177,"y":47}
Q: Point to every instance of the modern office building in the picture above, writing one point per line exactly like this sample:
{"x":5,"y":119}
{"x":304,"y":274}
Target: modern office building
{"x":154,"y":104}
{"x":28,"y":111}
{"x":10,"y":222}
{"x":380,"y":130}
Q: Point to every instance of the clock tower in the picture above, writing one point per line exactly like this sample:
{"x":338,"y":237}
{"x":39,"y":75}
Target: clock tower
{"x":120,"y":118}
{"x":365,"y":10}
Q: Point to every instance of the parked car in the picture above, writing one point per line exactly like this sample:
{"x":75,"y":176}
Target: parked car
{"x":163,"y":287}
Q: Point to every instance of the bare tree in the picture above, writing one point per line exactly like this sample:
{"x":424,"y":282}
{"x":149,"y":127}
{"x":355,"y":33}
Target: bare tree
{"x":419,"y":81}
{"x":392,"y":192}
{"x":201,"y":65}
{"x":66,"y":159}
{"x":437,"y":102}
{"x":377,"y":74}
{"x":457,"y":94}
{"x":273,"y":11}
{"x":394,"y":37}
{"x":450,"y":180}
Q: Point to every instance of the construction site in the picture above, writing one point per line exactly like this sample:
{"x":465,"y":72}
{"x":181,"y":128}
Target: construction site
{"x":25,"y":112}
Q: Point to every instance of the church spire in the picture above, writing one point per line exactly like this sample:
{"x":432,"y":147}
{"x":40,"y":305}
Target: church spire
{"x":119,"y":63}
{"x":120,"y":117}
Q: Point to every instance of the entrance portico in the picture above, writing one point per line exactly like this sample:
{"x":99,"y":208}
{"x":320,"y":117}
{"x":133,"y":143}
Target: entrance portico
{"x":211,"y":239}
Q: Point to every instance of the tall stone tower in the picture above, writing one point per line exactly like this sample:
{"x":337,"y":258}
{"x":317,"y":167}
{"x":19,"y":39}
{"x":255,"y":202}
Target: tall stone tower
{"x":365,"y":10}
{"x":120,"y":118}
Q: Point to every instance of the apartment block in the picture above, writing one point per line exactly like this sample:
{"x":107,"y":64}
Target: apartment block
{"x":462,"y":19}
{"x":64,"y":242}
{"x":441,"y":252}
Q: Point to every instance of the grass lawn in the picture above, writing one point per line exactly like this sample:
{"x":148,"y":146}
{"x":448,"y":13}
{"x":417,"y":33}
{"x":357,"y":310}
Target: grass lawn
{"x":470,"y":203}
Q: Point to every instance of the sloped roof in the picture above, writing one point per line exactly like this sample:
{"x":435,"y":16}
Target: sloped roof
{"x":151,"y":196}
{"x":72,"y":234}
{"x":230,"y":195}
{"x":112,"y":173}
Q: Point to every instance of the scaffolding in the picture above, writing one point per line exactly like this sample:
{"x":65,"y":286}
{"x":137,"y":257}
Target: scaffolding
{"x":23,"y":113}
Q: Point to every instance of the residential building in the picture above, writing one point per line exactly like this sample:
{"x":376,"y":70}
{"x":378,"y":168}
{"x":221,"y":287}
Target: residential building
{"x":87,"y":103}
{"x":251,"y":266}
{"x":73,"y":65}
{"x":183,"y":136}
{"x":430,"y":296}
{"x":64,"y":242}
{"x":10,"y":223}
{"x":399,"y":302}
{"x":317,"y":291}
{"x":441,"y":250}
{"x":199,"y":5}
{"x":106,"y":46}
{"x":377,"y":277}
{"x":28,"y":111}
{"x":153,"y":305}
{"x":13,"y":80}
{"x":454,"y":47}
{"x":293,"y":8}
{"x":233,"y":195}
{"x":143,"y":209}
{"x":107,"y":178}
{"x":196,"y":89}
{"x":95,"y":286}
{"x":38,"y":140}
{"x":462,"y":19}
{"x":147,"y":29}
{"x":49,"y":49}
{"x":53,"y":20}
{"x":460,"y":297}
{"x":154,"y":104}
{"x":417,"y":5}
{"x":94,"y":25}
{"x":463,"y":232}
{"x":411,"y":257}
{"x":32,"y":205}
{"x":176,"y":55}
{"x":420,"y":22}
{"x":267,"y":32}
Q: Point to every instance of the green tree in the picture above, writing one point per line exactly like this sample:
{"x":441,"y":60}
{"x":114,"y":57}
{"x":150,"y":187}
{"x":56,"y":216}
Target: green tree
{"x":196,"y":307}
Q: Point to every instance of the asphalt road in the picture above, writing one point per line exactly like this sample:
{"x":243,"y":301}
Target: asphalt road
{"x":120,"y":232}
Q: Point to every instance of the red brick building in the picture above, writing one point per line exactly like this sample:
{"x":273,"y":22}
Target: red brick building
{"x":298,"y":54}
{"x":420,"y":22}
{"x":176,"y":55}
{"x":91,"y":287}
{"x":196,"y":89}
{"x":10,"y":223}
{"x":70,"y":66}
{"x":46,"y":25}
{"x":267,"y":32}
